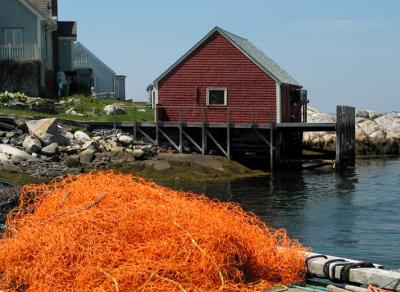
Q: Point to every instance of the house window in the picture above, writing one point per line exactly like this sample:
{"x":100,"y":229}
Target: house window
{"x":217,"y":96}
{"x":13,"y":37}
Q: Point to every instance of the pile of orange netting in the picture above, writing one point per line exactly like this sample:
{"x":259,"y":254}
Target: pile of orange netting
{"x":108,"y":231}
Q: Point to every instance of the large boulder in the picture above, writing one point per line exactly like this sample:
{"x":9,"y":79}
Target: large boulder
{"x":125,"y":140}
{"x":138,"y":154}
{"x":15,"y":153}
{"x":47,"y":131}
{"x":32,"y":145}
{"x":114,"y":109}
{"x":389,"y":122}
{"x":369,"y":127}
{"x":81,"y":137}
{"x":315,"y":116}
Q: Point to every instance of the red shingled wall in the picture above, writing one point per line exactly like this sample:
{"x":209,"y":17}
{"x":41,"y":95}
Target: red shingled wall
{"x":217,"y":63}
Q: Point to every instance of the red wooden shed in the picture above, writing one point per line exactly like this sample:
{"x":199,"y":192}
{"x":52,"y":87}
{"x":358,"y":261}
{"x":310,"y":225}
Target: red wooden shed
{"x":225,"y":77}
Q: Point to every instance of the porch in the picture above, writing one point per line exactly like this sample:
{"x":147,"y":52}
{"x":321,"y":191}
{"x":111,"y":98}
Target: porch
{"x":20,"y":52}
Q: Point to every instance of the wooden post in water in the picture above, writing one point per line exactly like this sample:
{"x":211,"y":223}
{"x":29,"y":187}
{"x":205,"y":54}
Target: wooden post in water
{"x":180,"y":131}
{"x":345,"y":137}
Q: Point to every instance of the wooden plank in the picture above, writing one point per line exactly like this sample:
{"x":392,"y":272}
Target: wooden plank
{"x":180,"y":131}
{"x":147,"y":136}
{"x":169,"y":139}
{"x":216,"y":143}
{"x":192,"y":140}
{"x":376,"y":276}
{"x":203,"y":133}
{"x":261,"y":136}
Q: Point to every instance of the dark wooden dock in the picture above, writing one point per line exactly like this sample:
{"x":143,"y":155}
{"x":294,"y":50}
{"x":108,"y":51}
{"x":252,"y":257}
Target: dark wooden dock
{"x":279,"y":143}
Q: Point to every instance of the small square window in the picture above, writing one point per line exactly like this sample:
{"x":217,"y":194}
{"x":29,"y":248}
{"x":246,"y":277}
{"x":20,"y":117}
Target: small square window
{"x":217,"y":96}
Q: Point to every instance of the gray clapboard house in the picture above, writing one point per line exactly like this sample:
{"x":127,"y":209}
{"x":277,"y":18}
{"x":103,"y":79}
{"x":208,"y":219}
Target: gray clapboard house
{"x":29,"y":33}
{"x":104,"y":80}
{"x":34,"y":46}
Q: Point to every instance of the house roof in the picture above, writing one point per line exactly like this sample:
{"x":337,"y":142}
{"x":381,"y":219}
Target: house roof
{"x":248,"y":49}
{"x":79,"y":45}
{"x":67,"y":29}
{"x":42,"y":6}
{"x":37,"y":7}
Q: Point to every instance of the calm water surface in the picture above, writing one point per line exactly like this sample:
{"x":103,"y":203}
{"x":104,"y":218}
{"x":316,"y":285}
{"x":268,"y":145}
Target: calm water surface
{"x":355,"y":215}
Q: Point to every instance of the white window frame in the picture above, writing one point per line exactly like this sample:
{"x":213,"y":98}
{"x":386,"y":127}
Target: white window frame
{"x":225,"y":89}
{"x":13,"y":31}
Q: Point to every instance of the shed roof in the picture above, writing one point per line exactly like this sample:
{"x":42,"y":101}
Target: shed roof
{"x":67,"y":29}
{"x":247,"y":48}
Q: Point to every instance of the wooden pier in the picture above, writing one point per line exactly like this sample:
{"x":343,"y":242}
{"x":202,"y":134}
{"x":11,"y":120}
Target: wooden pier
{"x":279,"y":143}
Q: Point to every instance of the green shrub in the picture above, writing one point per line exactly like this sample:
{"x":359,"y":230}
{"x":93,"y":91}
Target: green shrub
{"x":9,"y":96}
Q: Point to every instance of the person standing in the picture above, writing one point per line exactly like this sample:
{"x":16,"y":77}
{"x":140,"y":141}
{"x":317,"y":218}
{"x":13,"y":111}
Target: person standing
{"x":62,"y":84}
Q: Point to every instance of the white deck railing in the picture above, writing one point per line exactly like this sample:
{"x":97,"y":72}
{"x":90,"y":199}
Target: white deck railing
{"x":22,"y":52}
{"x":81,"y":63}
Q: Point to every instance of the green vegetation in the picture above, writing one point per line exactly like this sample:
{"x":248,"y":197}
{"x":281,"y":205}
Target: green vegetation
{"x":92,"y":110}
{"x":191,"y":172}
{"x":8,"y":96}
{"x":17,"y":178}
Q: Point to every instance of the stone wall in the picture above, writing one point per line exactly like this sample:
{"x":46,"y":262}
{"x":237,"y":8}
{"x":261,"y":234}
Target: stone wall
{"x":20,"y":76}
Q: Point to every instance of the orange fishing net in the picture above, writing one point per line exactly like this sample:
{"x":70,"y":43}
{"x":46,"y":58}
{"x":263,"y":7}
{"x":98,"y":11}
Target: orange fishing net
{"x":107,"y":231}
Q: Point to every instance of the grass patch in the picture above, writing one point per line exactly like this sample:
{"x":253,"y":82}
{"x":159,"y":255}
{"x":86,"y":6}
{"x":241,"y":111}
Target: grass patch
{"x":92,"y":110}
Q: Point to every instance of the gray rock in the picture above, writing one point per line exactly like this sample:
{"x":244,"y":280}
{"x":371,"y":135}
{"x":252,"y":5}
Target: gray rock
{"x":81,"y":137}
{"x":389,"y":122}
{"x":146,"y":148}
{"x":138,"y":154}
{"x":378,"y":135}
{"x":32,"y":145}
{"x":50,"y":150}
{"x":85,"y":157}
{"x":69,"y":135}
{"x":126,"y":140}
{"x":15,"y":153}
{"x":362,"y":114}
{"x":46,"y":130}
{"x":91,"y":145}
{"x":114,"y":109}
{"x":71,"y":111}
{"x":187,"y":149}
{"x":70,"y":149}
{"x":72,"y":161}
{"x":161,"y":165}
{"x":369,"y":127}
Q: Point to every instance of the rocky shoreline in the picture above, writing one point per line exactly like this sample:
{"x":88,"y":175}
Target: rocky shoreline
{"x":376,"y":133}
{"x":46,"y":148}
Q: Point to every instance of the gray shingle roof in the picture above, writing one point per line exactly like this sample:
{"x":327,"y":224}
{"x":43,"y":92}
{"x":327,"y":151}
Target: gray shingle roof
{"x":42,"y":6}
{"x":260,"y":58}
{"x":247,"y":48}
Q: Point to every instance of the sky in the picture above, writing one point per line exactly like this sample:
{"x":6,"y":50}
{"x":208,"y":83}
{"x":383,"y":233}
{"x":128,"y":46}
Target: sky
{"x":344,"y":52}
